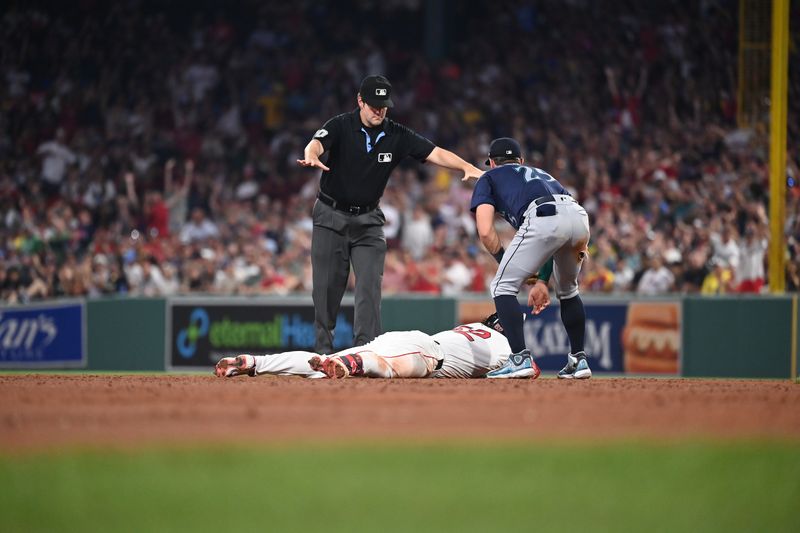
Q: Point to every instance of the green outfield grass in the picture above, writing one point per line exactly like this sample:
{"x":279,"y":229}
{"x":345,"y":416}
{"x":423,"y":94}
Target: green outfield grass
{"x":620,"y":487}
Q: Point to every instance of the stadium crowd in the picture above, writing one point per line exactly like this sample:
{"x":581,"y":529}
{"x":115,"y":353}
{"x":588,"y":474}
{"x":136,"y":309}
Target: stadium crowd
{"x":149,"y":149}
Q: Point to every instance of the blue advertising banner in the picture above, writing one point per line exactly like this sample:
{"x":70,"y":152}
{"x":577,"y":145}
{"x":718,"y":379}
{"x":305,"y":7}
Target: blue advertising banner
{"x":200,"y":333}
{"x":547,"y":339}
{"x":39,"y":336}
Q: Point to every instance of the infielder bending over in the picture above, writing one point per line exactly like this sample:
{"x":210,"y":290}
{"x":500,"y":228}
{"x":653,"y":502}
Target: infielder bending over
{"x":467,"y":351}
{"x":549,"y":222}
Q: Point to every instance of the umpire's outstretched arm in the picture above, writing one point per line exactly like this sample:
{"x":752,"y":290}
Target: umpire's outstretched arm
{"x":447,"y":159}
{"x":311,"y":155}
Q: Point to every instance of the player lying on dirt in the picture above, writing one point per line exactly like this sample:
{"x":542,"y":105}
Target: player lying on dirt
{"x":467,"y":351}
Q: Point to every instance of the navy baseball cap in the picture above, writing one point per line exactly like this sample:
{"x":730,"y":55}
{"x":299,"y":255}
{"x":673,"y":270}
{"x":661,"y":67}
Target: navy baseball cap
{"x":504,"y":147}
{"x":376,"y":91}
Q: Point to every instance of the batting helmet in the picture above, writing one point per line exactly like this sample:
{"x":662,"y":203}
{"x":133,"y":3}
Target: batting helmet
{"x":493,"y":321}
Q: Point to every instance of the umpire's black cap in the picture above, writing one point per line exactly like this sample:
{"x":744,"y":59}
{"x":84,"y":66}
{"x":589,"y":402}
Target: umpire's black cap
{"x":504,"y":147}
{"x":376,"y":91}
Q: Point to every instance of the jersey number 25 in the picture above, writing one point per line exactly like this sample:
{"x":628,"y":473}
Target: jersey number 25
{"x":533,"y":173}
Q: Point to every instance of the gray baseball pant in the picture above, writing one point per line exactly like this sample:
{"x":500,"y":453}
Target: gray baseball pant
{"x":337,"y":240}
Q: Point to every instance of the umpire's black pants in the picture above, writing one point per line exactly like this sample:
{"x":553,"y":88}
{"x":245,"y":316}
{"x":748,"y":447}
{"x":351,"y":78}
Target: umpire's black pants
{"x":337,"y":240}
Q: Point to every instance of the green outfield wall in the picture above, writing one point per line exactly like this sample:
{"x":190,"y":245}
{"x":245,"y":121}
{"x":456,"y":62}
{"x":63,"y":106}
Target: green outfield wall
{"x":126,"y":334}
{"x":427,"y":314}
{"x":738,"y":336}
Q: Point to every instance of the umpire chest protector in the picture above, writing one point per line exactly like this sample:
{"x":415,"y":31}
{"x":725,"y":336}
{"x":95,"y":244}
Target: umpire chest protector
{"x":361,"y":159}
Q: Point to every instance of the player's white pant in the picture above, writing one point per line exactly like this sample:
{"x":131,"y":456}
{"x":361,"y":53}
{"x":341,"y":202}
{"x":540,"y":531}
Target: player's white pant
{"x":398,"y":354}
{"x":286,"y":364}
{"x":563,"y":236}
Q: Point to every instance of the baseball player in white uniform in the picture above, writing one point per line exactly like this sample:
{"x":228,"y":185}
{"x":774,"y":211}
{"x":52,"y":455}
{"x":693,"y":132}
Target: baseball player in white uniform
{"x":467,"y":351}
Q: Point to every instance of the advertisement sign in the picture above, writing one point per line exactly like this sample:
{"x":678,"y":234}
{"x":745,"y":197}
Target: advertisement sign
{"x":200,"y":333}
{"x":652,"y":338}
{"x":547,"y":339}
{"x":634,"y":337}
{"x":51,"y":335}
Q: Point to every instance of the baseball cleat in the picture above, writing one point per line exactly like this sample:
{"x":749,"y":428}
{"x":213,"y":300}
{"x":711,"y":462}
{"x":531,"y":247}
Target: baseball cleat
{"x":577,"y":367}
{"x":228,"y":367}
{"x":338,"y":366}
{"x":569,"y":370}
{"x":518,"y":366}
{"x":582,"y":371}
{"x":332,"y":367}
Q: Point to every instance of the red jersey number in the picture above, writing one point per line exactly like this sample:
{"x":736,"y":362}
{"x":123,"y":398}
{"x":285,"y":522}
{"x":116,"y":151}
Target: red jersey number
{"x":468,"y":332}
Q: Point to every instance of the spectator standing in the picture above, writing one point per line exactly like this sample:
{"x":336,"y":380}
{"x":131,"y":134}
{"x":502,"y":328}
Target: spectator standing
{"x":726,"y":249}
{"x":56,"y":158}
{"x":417,"y":233}
{"x":657,"y":279}
{"x":750,"y":274}
{"x":199,"y":228}
{"x":176,"y":196}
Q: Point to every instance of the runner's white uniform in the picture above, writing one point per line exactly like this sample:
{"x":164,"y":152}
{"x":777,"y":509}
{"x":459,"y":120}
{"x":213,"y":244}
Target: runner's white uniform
{"x":469,"y":350}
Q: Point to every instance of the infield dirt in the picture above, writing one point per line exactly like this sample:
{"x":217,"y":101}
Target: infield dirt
{"x":43,"y":411}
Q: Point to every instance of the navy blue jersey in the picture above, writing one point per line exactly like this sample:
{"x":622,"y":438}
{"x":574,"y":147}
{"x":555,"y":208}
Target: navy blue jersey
{"x":511,"y":188}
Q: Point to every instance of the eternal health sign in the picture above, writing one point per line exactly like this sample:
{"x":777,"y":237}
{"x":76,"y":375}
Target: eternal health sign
{"x":202,"y":333}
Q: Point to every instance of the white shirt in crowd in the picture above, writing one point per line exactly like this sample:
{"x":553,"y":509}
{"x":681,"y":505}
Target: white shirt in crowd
{"x":656,"y":281}
{"x":193,"y":231}
{"x":55,"y":159}
{"x":725,"y":252}
{"x":201,"y":78}
{"x":98,"y":193}
{"x":751,"y":263}
{"x":417,"y":234}
{"x":391,"y":229}
{"x":161,"y":282}
{"x":457,"y":277}
{"x":623,"y":278}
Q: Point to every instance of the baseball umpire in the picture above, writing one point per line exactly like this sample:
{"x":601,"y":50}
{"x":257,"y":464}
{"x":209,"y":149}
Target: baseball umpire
{"x":363,"y":147}
{"x":549,"y":223}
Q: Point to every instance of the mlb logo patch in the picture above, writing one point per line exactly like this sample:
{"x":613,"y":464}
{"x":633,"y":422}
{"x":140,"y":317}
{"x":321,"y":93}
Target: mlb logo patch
{"x":385,"y":158}
{"x":380,"y":92}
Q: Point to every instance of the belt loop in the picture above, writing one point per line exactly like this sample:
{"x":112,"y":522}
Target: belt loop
{"x":544,"y":199}
{"x":327,"y":199}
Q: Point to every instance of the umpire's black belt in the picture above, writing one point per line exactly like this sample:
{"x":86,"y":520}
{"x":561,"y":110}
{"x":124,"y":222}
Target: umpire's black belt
{"x":345,"y":208}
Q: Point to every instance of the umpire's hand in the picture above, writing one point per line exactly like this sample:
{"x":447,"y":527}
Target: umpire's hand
{"x":311,"y":155}
{"x":312,"y":162}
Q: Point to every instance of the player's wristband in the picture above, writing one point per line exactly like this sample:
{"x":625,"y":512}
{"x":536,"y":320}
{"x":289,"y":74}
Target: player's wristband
{"x":499,"y":255}
{"x":546,"y":271}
